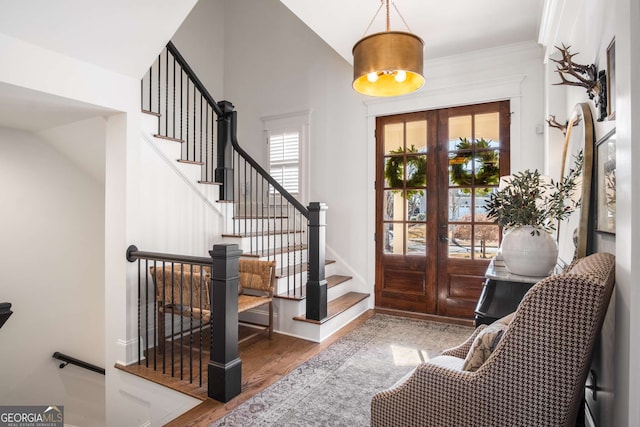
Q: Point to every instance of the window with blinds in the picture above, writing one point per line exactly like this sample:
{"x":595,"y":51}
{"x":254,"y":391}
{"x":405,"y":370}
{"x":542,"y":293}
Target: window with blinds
{"x":284,"y":159}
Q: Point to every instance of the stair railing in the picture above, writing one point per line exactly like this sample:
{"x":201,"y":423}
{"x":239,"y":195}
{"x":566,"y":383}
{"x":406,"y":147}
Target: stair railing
{"x":273,"y":222}
{"x":186,"y":111}
{"x":66,"y":360}
{"x":198,"y":298}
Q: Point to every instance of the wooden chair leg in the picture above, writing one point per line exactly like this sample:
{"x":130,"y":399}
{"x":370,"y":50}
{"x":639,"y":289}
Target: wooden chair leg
{"x":160,"y":329}
{"x":270,"y":320}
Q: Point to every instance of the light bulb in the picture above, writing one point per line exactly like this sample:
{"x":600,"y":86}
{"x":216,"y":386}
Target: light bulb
{"x":401,"y":75}
{"x":372,"y":77}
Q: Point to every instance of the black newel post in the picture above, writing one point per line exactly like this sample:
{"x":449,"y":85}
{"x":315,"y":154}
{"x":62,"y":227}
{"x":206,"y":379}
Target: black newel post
{"x":316,"y":283}
{"x":225,"y":367}
{"x":224,"y":165}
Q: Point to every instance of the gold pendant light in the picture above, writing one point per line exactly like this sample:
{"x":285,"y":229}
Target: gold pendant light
{"x":388,"y":63}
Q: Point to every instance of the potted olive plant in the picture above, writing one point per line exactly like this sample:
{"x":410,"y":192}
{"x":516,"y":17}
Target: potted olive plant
{"x":529,"y":208}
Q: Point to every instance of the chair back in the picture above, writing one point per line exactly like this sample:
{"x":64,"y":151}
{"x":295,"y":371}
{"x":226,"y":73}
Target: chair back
{"x":547,"y":348}
{"x":257,"y":275}
{"x":185,"y":285}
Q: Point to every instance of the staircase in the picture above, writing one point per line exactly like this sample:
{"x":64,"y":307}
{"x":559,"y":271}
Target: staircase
{"x":258,"y":215}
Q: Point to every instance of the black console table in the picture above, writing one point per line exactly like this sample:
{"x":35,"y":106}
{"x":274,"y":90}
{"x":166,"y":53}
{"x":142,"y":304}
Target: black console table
{"x":501,"y":293}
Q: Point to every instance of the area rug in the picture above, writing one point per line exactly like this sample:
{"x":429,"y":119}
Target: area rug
{"x":335,"y":387}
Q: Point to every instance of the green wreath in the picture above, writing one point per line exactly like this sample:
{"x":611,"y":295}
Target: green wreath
{"x":394,"y":171}
{"x":489,"y":172}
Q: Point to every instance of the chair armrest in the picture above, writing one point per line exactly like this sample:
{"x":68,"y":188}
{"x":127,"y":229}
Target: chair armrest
{"x":409,"y":404}
{"x":461,"y":350}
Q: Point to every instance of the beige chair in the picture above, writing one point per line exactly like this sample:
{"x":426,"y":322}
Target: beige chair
{"x":184,"y":290}
{"x":534,"y":376}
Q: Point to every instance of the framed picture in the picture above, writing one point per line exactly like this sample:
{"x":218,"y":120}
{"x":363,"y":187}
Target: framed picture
{"x":611,"y":79}
{"x":606,"y":183}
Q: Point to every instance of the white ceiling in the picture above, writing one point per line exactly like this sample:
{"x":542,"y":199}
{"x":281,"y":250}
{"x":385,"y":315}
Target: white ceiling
{"x":122,"y":36}
{"x":448,"y":28}
{"x":114,"y":34}
{"x":26,"y":109}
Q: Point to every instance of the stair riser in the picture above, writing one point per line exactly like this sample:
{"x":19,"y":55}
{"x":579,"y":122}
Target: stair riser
{"x":291,"y":257}
{"x":282,"y":285}
{"x":258,"y":206}
{"x":248,"y":225}
{"x":260,"y":243}
{"x":339,"y":290}
{"x":285,"y":310}
{"x":290,"y":283}
{"x":332,"y":326}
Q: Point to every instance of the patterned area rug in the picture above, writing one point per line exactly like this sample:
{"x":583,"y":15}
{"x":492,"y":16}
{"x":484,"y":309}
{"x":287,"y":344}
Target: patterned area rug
{"x":335,"y":387}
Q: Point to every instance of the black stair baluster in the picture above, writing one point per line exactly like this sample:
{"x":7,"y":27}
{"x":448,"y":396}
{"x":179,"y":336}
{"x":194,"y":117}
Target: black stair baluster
{"x":166,"y":94}
{"x":173,"y":122}
{"x":156,"y":308}
{"x":181,"y":108}
{"x":200,"y":129}
{"x":159,"y":83}
{"x":200,"y":322}
{"x":139,"y":313}
{"x":194,"y":124}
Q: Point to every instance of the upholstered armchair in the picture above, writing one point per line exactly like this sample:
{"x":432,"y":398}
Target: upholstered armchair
{"x":534,"y":376}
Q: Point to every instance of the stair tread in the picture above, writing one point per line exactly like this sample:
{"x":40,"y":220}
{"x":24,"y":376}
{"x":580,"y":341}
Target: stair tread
{"x":168,"y":138}
{"x":298,"y":268}
{"x":191,"y":162}
{"x":256,"y":216}
{"x":337,"y":279}
{"x":210,"y":183}
{"x":337,"y":306}
{"x":262,"y":233}
{"x":278,"y":251}
{"x":152,"y":113}
{"x":299,"y":292}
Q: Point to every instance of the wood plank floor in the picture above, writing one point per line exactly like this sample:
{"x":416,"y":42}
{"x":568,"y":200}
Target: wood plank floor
{"x":264,"y":362}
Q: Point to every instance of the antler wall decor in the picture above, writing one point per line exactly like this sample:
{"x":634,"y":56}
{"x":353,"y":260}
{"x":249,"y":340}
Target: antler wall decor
{"x":586,"y":76}
{"x":554,"y":124}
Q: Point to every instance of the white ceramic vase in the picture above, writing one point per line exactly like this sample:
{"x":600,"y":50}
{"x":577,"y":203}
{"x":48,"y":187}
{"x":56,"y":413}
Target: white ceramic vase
{"x":528,"y":255}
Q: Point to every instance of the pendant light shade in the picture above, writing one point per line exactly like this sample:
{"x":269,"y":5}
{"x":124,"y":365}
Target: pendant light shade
{"x":388,"y":63}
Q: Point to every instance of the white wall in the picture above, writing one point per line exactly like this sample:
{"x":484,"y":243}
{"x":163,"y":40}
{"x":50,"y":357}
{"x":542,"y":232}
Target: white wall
{"x":52,"y":228}
{"x":275,"y":65}
{"x":129,"y":401}
{"x":204,"y":28}
{"x":83,"y":143}
{"x":627,"y":350}
{"x":175,"y":214}
{"x":588,"y":27}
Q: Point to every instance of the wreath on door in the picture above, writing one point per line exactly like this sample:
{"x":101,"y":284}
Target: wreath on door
{"x":416,"y":166}
{"x":487,"y":174}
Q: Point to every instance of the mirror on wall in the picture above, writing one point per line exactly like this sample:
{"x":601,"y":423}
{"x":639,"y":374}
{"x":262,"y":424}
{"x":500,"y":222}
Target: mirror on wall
{"x":573,"y":232}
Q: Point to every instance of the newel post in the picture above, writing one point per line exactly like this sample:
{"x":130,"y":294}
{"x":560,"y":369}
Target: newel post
{"x":316,"y":283}
{"x":224,"y":161}
{"x":225,"y":366}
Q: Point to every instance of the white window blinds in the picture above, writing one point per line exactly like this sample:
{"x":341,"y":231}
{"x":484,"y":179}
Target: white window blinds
{"x":284,"y":159}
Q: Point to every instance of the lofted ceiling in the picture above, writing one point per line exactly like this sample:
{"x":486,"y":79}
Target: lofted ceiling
{"x":122,"y":36}
{"x":448,"y":28}
{"x":119,"y":35}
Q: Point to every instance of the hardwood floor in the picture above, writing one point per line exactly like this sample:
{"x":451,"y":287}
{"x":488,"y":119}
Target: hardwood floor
{"x":264,"y":362}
